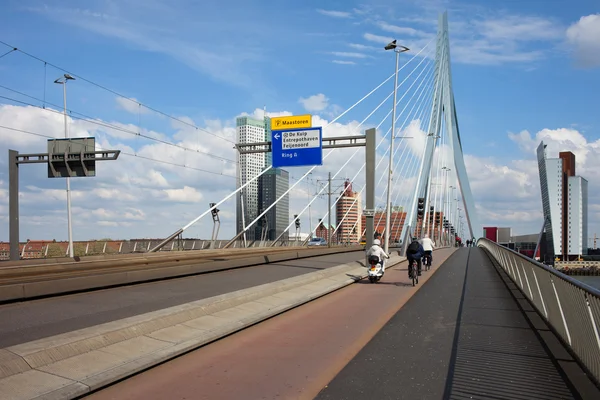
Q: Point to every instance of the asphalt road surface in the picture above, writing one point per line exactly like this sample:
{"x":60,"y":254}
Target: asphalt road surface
{"x":32,"y":320}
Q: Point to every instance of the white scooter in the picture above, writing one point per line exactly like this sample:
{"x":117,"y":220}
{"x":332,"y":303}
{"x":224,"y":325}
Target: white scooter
{"x":376,"y":269}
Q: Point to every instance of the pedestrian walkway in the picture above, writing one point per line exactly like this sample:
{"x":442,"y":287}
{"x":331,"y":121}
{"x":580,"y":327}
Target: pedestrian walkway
{"x":465,"y":335}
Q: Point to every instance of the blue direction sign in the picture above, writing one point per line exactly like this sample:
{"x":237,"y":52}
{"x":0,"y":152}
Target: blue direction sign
{"x":297,"y":147}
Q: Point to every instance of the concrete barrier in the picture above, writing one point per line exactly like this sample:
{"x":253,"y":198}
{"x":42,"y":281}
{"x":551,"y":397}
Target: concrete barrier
{"x":73,"y":364}
{"x":29,"y":287}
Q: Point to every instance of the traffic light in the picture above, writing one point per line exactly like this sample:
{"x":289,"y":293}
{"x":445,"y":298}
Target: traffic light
{"x":214,"y":211}
{"x":437,"y":217}
{"x":421,"y":207}
{"x":297,"y":221}
{"x":431,"y":212}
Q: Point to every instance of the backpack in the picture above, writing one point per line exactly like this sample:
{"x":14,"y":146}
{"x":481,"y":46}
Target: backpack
{"x":413,"y":248}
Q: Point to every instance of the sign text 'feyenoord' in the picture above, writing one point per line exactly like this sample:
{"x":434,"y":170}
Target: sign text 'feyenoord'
{"x":297,"y":147}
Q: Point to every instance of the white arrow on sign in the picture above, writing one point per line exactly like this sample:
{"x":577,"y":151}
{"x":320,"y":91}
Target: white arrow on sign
{"x":276,"y":136}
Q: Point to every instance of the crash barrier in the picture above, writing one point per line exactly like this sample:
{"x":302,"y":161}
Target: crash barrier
{"x":570,"y":307}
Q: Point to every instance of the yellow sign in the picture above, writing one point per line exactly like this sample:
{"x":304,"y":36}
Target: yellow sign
{"x":291,"y":122}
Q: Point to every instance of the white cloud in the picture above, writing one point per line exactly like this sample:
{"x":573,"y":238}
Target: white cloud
{"x":335,"y":14}
{"x":363,"y":47}
{"x":584,"y":37}
{"x":153,"y":27}
{"x":490,"y":38}
{"x":349,"y":54}
{"x":343,"y":62}
{"x":317,"y":102}
{"x":519,"y":28}
{"x":107,"y":223}
{"x":400,"y":29}
{"x":185,"y":195}
{"x":377,"y":38}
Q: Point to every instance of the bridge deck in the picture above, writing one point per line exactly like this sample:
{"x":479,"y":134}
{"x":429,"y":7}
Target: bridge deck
{"x":38,"y":319}
{"x":468,"y":334}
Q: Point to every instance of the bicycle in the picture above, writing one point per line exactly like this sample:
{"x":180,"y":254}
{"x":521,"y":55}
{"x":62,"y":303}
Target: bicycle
{"x":413,"y":272}
{"x":427,"y":262}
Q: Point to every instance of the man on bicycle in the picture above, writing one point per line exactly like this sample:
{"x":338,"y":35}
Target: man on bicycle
{"x":414,"y":252}
{"x":428,"y":247}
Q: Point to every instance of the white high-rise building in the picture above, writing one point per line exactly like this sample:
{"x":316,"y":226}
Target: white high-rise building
{"x":578,"y":204}
{"x":565,"y":203}
{"x":249,"y":130}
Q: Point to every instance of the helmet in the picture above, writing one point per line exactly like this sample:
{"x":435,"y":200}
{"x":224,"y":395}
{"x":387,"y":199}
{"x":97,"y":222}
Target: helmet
{"x":377,"y":242}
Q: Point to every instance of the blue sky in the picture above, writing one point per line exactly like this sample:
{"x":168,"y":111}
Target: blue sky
{"x":517,"y":66}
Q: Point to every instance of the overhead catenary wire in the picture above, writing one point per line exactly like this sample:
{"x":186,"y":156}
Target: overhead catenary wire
{"x":116,"y":93}
{"x":95,"y":121}
{"x":123,"y":152}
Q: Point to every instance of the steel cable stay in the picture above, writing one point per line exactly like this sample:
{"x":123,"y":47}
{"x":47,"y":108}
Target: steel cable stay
{"x":425,"y":117}
{"x":385,"y":154}
{"x":351,"y":157}
{"x":401,"y":128}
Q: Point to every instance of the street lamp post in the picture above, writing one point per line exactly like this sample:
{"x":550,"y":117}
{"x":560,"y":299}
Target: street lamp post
{"x":63,"y":81}
{"x":397,"y":49}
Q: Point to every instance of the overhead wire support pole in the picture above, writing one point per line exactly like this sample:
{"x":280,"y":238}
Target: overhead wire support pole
{"x":63,"y":81}
{"x":397,"y":49}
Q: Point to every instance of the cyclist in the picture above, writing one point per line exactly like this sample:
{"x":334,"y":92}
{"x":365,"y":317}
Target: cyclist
{"x":414,"y":252}
{"x":376,"y":250}
{"x":428,"y":246}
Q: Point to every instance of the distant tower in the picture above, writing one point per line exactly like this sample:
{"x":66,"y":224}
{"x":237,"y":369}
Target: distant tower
{"x":248,"y":130}
{"x":349,"y":206}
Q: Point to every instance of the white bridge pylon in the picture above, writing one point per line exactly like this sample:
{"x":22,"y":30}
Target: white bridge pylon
{"x":443,"y":108}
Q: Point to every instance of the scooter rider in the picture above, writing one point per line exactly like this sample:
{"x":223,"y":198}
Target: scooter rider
{"x":414,"y":252}
{"x":428,"y":246}
{"x":376,"y":250}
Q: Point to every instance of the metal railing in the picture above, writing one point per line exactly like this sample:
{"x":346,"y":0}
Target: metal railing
{"x":569,"y":306}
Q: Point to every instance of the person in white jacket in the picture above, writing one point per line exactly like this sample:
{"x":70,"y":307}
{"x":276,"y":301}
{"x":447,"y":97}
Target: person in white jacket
{"x":376,"y":250}
{"x":428,"y":246}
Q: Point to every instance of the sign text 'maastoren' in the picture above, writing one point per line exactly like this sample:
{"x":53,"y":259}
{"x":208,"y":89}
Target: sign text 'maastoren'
{"x":291,"y":122}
